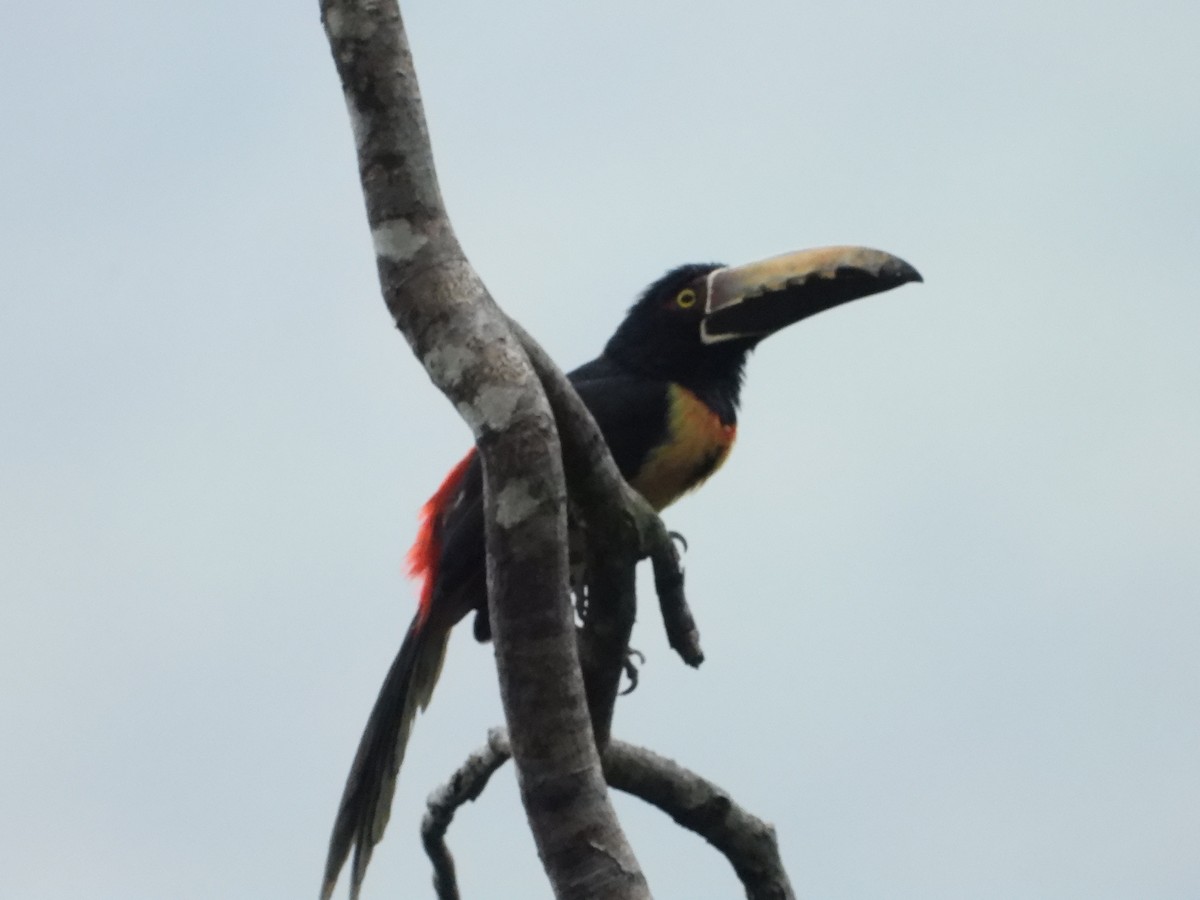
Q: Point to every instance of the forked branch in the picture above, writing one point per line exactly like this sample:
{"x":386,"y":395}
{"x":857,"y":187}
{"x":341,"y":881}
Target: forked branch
{"x":619,"y":528}
{"x":465,"y":344}
{"x":693,"y":802}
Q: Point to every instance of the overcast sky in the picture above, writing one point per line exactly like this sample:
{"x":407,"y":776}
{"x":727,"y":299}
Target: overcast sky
{"x":948,"y":583}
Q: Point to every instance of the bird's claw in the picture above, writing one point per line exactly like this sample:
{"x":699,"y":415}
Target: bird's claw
{"x":631,"y":670}
{"x":678,"y":539}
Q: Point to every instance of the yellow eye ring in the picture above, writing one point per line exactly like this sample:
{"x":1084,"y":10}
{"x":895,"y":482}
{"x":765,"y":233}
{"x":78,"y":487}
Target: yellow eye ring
{"x":685,"y":299}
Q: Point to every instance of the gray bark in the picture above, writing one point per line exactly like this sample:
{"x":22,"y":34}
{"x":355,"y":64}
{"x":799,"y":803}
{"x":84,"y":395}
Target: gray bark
{"x":466,"y":346}
{"x":747,"y":842}
{"x":699,"y":805}
{"x":618,"y":528}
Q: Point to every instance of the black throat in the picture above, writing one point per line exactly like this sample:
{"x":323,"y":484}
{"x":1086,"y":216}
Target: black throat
{"x":718,"y":383}
{"x":714,"y":374}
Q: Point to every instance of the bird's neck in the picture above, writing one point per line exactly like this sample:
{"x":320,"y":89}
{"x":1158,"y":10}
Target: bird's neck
{"x":719,"y":390}
{"x":714,"y":377}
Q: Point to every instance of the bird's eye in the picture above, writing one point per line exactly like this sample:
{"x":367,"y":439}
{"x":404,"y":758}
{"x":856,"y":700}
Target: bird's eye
{"x":685,"y":299}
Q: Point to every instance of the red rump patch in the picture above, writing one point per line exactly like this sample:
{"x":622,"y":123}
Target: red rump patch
{"x":427,"y":548}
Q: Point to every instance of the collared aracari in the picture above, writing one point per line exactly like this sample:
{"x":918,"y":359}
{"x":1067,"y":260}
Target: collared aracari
{"x":665,"y":394}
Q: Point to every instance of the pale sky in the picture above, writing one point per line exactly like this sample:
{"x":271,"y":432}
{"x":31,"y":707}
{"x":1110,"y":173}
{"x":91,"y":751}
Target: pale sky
{"x":948,"y":583}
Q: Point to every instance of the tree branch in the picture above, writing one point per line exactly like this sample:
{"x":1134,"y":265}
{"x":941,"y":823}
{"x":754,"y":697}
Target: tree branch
{"x":620,"y":528}
{"x":693,"y":802}
{"x":464,"y":785}
{"x":682,"y":633}
{"x":463,"y":340}
{"x":700,"y":806}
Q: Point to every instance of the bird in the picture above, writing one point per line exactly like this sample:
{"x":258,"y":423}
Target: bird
{"x":664,"y":393}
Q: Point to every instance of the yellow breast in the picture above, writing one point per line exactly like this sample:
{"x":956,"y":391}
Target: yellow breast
{"x":696,"y":445}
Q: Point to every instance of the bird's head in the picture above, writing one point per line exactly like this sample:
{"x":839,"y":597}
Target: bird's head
{"x":704,"y":316}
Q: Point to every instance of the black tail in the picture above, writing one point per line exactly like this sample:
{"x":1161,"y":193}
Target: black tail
{"x":367,"y":799}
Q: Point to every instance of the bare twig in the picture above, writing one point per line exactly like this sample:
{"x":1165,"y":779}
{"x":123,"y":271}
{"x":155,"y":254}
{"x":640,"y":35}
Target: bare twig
{"x":464,"y":342}
{"x":700,"y":806}
{"x":464,"y":785}
{"x":682,"y":633}
{"x":693,"y":802}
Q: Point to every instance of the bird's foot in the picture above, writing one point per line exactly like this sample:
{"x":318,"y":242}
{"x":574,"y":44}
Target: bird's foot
{"x":679,"y":539}
{"x":631,"y":670}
